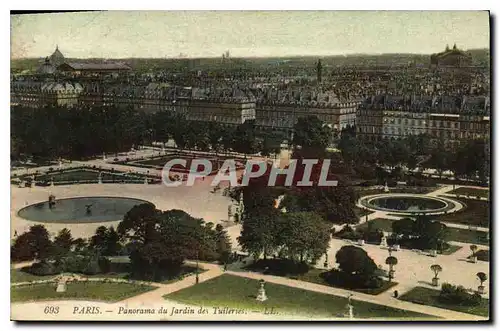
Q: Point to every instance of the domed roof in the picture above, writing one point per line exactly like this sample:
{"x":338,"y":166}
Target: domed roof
{"x":57,"y":58}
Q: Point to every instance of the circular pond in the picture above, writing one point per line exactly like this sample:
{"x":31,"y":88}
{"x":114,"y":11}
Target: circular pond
{"x":80,"y":210}
{"x":411,"y":203}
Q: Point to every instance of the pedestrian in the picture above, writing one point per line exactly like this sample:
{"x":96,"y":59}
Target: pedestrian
{"x":396,"y":294}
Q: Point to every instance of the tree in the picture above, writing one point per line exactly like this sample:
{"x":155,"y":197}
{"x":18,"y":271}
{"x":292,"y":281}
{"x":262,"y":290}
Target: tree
{"x":482,"y":278}
{"x":303,"y":236}
{"x":391,"y":261}
{"x":63,"y":242}
{"x":112,"y":242}
{"x":79,"y":245}
{"x":223,"y":244}
{"x":98,"y":240}
{"x":403,"y":227}
{"x":163,"y":240}
{"x":355,"y":261}
{"x":34,"y":244}
{"x":436,"y":268}
{"x":310,"y":133}
{"x":258,"y":235}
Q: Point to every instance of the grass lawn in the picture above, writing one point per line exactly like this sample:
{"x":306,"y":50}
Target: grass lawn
{"x":119,"y":268}
{"x":483,"y":255}
{"x":314,"y":276}
{"x":471,"y":192}
{"x":476,"y":213}
{"x":410,"y":189}
{"x":383,"y":224}
{"x":19,"y":276}
{"x":467,"y":236}
{"x":454,"y":234}
{"x":430,"y":297}
{"x":100,"y":291}
{"x":238,"y":292}
{"x":87,"y":175}
{"x":361,"y":212}
{"x":452,"y":249}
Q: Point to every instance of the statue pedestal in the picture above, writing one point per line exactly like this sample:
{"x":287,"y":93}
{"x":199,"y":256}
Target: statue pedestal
{"x":350,"y":312}
{"x":61,"y":287}
{"x":262,"y":295}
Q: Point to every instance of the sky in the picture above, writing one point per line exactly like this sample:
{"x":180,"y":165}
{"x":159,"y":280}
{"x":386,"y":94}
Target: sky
{"x":167,"y":34}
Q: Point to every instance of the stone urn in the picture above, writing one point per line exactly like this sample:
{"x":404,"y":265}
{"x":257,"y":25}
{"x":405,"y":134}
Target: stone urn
{"x":435,"y":281}
{"x":361,"y":242}
{"x":391,"y":274}
{"x":433,"y":252}
{"x":473,"y":259}
{"x":480,"y":290}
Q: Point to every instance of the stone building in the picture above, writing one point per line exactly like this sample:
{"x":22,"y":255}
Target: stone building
{"x":450,"y":118}
{"x":451,"y":58}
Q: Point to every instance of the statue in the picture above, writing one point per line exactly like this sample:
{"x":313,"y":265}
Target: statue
{"x":349,"y":307}
{"x":261,"y":296}
{"x":386,"y":188}
{"x":99,"y":178}
{"x":52,"y":201}
{"x":383,"y":241}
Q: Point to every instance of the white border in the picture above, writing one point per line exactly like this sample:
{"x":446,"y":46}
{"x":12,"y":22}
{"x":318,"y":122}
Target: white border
{"x":199,"y":5}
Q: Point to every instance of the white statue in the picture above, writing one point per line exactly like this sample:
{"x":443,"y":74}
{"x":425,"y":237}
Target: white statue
{"x":261,"y":296}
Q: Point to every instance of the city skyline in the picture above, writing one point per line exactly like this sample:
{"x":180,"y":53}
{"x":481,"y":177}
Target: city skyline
{"x":145,"y":34}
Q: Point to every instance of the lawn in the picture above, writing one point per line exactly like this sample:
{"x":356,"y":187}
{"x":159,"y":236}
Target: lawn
{"x":471,"y":192}
{"x":91,"y":290}
{"x":483,"y":255}
{"x":86,"y":175}
{"x":238,"y":292}
{"x":119,"y":268}
{"x":409,"y":189}
{"x":19,"y":276}
{"x":430,"y":297}
{"x":361,"y":212}
{"x":451,"y":249}
{"x":454,"y":234}
{"x":383,"y":224}
{"x":315,"y":276}
{"x":467,"y":236}
{"x":475,"y":213}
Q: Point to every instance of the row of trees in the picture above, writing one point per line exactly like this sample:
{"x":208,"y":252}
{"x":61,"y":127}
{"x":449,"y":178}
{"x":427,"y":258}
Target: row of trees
{"x":156,"y":242}
{"x":470,"y":158}
{"x":76,"y":133}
